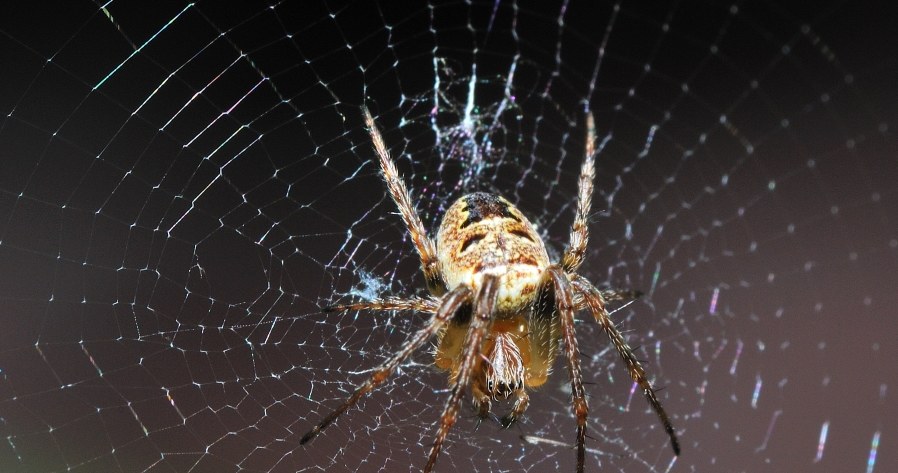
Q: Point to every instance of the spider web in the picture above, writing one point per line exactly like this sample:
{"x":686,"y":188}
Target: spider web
{"x":182,"y":185}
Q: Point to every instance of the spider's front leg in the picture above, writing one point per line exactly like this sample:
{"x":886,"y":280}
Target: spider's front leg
{"x":564,"y":302}
{"x":484,"y":308}
{"x":594,"y":299}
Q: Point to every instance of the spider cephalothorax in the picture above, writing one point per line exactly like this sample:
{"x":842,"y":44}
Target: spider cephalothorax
{"x":499,"y":306}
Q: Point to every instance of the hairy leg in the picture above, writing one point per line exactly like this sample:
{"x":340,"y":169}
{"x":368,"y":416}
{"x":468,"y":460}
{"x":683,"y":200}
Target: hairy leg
{"x":399,"y":192}
{"x":428,"y":305}
{"x":484,"y":308}
{"x":564,"y":301}
{"x":608,"y":295}
{"x":626,"y":295}
{"x":449,"y":304}
{"x":576,"y":250}
{"x":593,"y":298}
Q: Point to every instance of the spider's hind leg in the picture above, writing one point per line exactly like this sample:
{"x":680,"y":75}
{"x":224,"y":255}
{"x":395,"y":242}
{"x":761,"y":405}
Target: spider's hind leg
{"x":576,"y":249}
{"x":399,"y":192}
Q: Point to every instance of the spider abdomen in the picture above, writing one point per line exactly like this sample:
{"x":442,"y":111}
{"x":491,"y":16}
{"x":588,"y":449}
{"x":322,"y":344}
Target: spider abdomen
{"x":483,"y":233}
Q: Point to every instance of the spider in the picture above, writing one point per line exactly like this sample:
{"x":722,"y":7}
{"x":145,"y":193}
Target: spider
{"x":498,"y":305}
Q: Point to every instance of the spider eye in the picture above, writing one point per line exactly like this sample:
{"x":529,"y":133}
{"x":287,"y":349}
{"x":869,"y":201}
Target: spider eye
{"x":470,"y":241}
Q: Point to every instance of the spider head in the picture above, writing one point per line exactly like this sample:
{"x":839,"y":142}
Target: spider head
{"x":504,"y":367}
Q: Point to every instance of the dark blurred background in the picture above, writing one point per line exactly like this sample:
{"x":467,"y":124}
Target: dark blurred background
{"x":182,"y":185}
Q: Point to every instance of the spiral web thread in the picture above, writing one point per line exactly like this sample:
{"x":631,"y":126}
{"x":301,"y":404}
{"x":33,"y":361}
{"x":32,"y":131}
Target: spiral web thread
{"x":183,"y":185}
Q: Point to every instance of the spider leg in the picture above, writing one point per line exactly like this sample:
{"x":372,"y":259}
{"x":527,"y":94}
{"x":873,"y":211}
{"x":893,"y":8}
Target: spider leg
{"x":399,"y":192}
{"x":428,"y":305}
{"x":576,"y":249}
{"x":564,"y":301}
{"x":596,"y":303}
{"x":484,"y":308}
{"x":608,"y":295}
{"x":450,"y":303}
{"x":626,"y":295}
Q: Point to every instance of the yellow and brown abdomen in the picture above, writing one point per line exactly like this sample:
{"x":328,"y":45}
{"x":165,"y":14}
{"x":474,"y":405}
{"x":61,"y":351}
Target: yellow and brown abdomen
{"x":483,"y":233}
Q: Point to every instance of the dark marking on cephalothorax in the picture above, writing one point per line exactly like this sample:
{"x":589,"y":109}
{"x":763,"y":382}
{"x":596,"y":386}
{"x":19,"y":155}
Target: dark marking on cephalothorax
{"x":522,"y":234}
{"x":481,"y":205}
{"x":469,"y":241}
